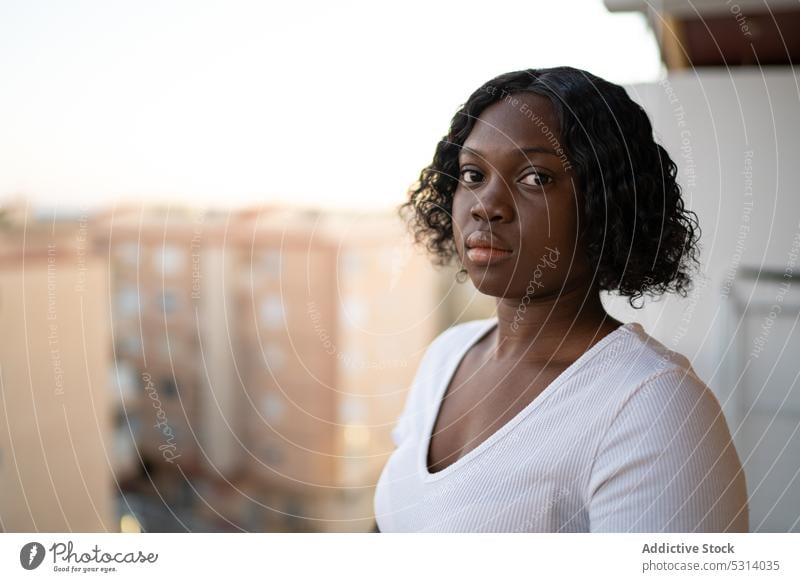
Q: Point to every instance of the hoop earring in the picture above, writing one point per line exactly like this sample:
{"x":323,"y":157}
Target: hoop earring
{"x":461,"y":274}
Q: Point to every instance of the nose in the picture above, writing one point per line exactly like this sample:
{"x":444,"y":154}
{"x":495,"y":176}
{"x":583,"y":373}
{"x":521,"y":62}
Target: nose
{"x":492,"y":204}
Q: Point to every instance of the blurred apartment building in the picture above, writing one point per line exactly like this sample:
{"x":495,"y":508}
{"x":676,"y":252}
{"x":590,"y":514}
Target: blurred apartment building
{"x":57,"y":454}
{"x":261,"y":357}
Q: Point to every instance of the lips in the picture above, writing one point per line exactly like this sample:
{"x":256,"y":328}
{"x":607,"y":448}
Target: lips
{"x":484,"y":248}
{"x":483,"y":239}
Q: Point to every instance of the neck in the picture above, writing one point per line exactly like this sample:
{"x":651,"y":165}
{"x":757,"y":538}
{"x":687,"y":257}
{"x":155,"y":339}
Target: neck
{"x":550,"y":329}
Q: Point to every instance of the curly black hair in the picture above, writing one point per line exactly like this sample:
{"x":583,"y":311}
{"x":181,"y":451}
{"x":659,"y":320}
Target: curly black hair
{"x":635,"y":228}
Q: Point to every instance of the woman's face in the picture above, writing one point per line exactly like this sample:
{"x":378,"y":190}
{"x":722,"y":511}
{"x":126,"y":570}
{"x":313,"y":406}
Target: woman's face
{"x":516,"y":194}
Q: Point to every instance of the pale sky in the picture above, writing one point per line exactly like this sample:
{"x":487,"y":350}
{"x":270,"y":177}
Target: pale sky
{"x":236,"y":103}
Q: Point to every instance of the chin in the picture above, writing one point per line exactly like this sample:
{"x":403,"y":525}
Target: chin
{"x":494,"y":286}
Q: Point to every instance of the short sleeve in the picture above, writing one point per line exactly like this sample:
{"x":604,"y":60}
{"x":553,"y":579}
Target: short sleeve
{"x":668,"y":463}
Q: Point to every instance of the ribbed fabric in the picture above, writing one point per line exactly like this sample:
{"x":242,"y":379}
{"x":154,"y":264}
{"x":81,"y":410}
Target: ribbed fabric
{"x":626,"y":439}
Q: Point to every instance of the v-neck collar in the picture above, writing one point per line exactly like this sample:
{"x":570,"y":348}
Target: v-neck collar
{"x":482,"y":330}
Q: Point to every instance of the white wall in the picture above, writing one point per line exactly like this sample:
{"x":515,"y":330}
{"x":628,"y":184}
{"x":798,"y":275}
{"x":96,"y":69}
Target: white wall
{"x":717,"y":124}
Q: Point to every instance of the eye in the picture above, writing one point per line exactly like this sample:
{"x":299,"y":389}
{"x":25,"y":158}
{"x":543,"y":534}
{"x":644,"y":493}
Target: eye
{"x":539,"y":180}
{"x":469,"y":176}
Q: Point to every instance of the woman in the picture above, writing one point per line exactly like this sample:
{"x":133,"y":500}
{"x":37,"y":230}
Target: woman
{"x":553,"y":416}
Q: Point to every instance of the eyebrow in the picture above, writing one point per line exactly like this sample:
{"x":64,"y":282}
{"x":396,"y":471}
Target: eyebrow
{"x":529,"y":149}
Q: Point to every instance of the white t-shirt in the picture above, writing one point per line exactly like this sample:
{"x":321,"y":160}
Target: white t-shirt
{"x":626,"y":439}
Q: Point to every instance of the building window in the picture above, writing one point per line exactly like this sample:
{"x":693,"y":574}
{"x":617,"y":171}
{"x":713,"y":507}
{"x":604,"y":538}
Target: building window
{"x":133,"y":425}
{"x":351,"y":410}
{"x":271,"y":263}
{"x":353,"y":312}
{"x":128,"y":252}
{"x":170,"y":259}
{"x":169,"y":387}
{"x":271,"y":455}
{"x":356,"y":437}
{"x":274,"y":407}
{"x":272,"y":312}
{"x":353,"y":360}
{"x":351,"y":263}
{"x":127,"y":301}
{"x":169,"y":301}
{"x":131,"y":344}
{"x":123,"y":380}
{"x":275,"y":357}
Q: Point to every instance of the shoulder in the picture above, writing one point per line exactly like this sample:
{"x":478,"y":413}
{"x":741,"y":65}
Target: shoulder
{"x":667,"y":461}
{"x":676,"y":394}
{"x":672,"y":419}
{"x":642,"y":365}
{"x":656,"y":395}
